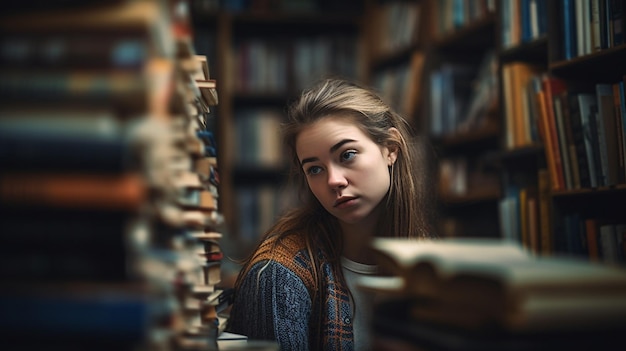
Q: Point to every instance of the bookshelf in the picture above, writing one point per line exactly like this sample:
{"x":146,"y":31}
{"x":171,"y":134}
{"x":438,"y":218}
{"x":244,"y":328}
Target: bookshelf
{"x":499,"y":167}
{"x":572,"y":166}
{"x":266,"y":54}
{"x":461,"y":117}
{"x":395,"y":53}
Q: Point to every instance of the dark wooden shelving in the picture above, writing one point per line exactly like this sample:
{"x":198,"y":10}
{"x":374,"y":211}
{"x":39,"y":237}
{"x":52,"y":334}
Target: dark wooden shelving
{"x":290,"y":25}
{"x":279,"y":100}
{"x":394,"y":58}
{"x":472,"y":197}
{"x":476,"y":34}
{"x":463,"y":138}
{"x":593,"y":66}
{"x":534,"y":51}
{"x":251,"y":175}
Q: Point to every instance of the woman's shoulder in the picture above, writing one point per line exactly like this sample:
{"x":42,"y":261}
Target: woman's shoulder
{"x":289,"y":251}
{"x":283,"y":249}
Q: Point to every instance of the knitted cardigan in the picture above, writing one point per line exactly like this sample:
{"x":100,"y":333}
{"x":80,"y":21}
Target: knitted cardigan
{"x":274,"y":301}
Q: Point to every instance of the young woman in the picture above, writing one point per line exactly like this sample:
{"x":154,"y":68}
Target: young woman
{"x":360,"y":175}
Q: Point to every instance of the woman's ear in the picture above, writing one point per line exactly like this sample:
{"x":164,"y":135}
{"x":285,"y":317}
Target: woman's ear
{"x":393,"y":145}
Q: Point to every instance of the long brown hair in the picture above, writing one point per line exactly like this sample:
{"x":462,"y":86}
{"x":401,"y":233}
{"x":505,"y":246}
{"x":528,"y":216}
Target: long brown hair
{"x":409,"y":203}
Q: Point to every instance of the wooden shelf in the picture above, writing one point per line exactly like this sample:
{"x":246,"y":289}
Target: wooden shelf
{"x":594,"y":66}
{"x":394,"y":58}
{"x":478,"y":33}
{"x":293,"y":24}
{"x":473,"y":197}
{"x":252,"y":175}
{"x":590,"y":192}
{"x":535,"y":51}
{"x":486,"y":136}
{"x":262,"y":99}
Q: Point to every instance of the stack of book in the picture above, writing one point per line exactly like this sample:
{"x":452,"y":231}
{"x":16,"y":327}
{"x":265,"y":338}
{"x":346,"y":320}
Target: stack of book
{"x":490,"y":294}
{"x":109,"y":180}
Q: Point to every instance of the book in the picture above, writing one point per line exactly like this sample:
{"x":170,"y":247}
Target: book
{"x":208,"y":90}
{"x":578,"y":136}
{"x":591,"y":234}
{"x":621,"y":88}
{"x":80,"y":50}
{"x":42,"y":244}
{"x":96,"y":192}
{"x":570,"y":143}
{"x":111,"y":314}
{"x":545,"y":212}
{"x":607,"y":133}
{"x":130,"y":17}
{"x":231,"y":341}
{"x":618,"y":24}
{"x":562,"y":139}
{"x":95,"y":87}
{"x":620,"y":135}
{"x":608,"y":243}
{"x":486,"y":284}
{"x":570,"y":44}
{"x":549,"y":142}
{"x":88,"y":140}
{"x":586,"y":102}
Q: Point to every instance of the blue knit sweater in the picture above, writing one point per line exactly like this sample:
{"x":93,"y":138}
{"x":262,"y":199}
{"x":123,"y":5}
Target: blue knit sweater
{"x":274,"y":301}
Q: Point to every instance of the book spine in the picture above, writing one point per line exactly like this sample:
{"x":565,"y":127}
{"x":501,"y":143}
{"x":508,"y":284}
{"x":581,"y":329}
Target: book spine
{"x":596,"y":44}
{"x":608,"y":243}
{"x":553,"y":87}
{"x":586,"y":102}
{"x":570,"y":44}
{"x":617,"y":22}
{"x":622,"y":95}
{"x":579,"y":141}
{"x":120,"y":192}
{"x":591,"y":232}
{"x":41,"y":152}
{"x":562,"y":141}
{"x":607,"y":133}
{"x":545,"y":213}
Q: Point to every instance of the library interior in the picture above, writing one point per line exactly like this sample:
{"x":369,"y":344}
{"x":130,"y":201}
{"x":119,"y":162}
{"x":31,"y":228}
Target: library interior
{"x":142,"y":161}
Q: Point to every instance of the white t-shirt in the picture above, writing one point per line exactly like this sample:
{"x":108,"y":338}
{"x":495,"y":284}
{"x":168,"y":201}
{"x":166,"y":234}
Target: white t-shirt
{"x":362,"y":300}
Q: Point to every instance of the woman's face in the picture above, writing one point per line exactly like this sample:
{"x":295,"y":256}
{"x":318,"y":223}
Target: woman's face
{"x":346,"y":171}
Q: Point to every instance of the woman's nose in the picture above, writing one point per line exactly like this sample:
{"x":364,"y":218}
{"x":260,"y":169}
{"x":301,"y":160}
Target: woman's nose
{"x":336,"y":178}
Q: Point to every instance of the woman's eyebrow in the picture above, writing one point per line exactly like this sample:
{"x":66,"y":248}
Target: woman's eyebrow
{"x":332,"y":149}
{"x":339,"y":144}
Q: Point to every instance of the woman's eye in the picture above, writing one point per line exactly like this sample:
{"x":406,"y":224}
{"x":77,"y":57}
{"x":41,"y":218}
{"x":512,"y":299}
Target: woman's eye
{"x":314,"y":170}
{"x":348,"y":155}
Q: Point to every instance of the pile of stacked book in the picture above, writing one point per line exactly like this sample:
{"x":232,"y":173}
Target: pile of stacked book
{"x":108,"y":189}
{"x":490,"y":294}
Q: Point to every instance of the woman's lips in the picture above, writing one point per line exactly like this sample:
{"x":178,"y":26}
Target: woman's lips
{"x":344,"y":201}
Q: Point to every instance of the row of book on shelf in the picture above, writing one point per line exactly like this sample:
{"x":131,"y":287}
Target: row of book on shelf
{"x":491,"y":294}
{"x":108,"y":197}
{"x":280,"y":66}
{"x":583,"y":128}
{"x":463,"y":95}
{"x":395,"y":26}
{"x":586,"y":26}
{"x":256,"y":138}
{"x":523,"y":21}
{"x":452,"y":14}
{"x":526,"y":218}
{"x":400,"y":85}
{"x":589,"y":26}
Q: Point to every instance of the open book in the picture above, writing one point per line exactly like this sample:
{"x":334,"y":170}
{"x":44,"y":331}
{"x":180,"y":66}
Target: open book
{"x":491,"y":283}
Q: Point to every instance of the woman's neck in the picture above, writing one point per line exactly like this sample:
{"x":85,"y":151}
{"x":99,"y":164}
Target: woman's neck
{"x":356,"y":241}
